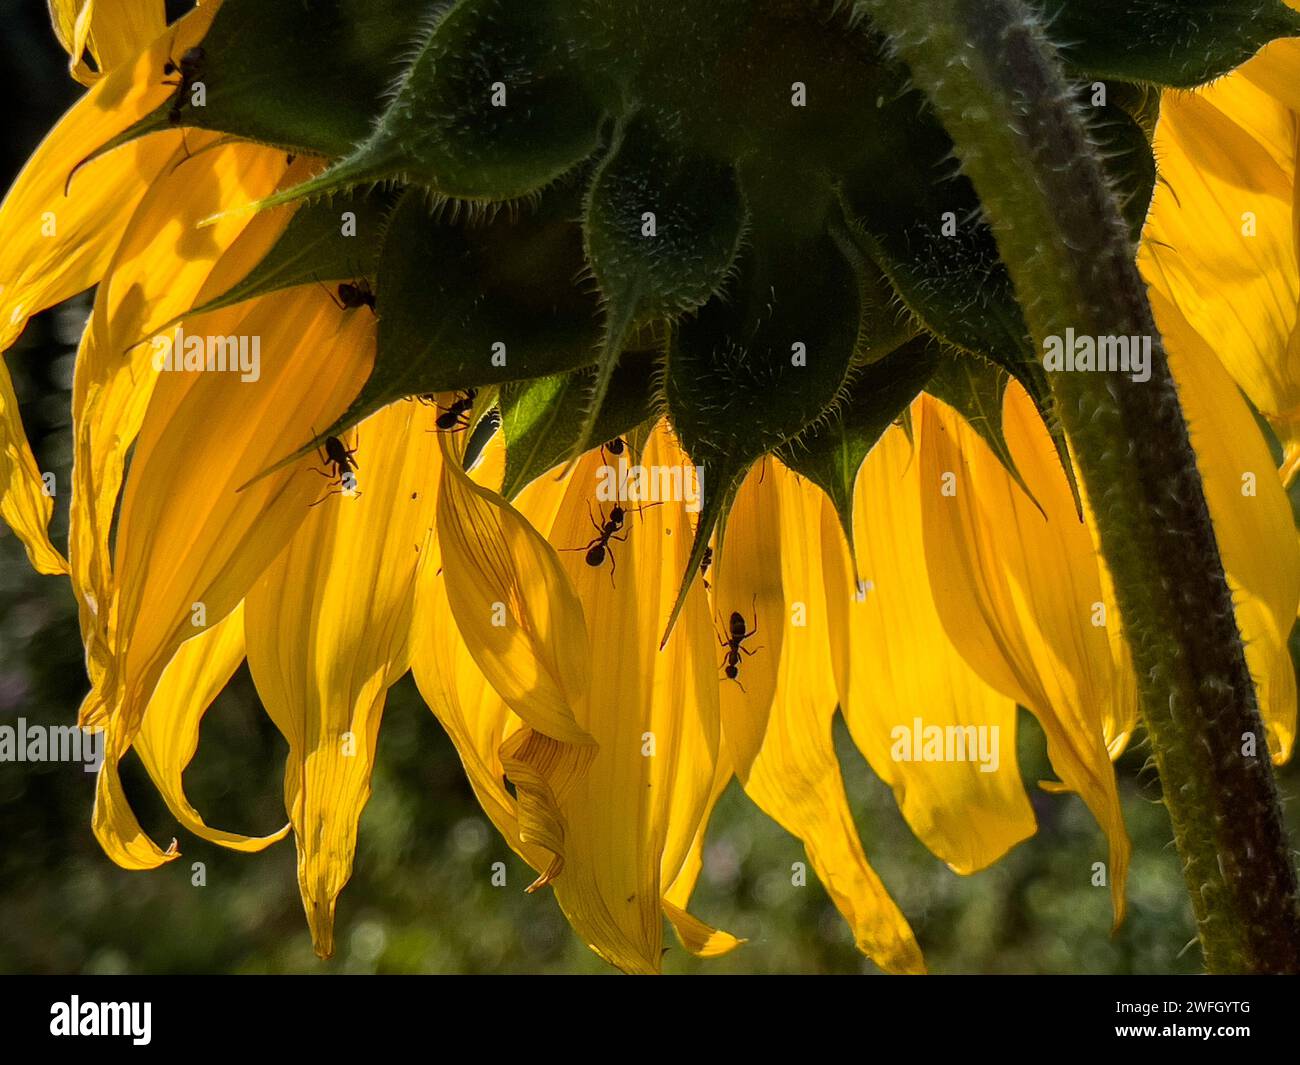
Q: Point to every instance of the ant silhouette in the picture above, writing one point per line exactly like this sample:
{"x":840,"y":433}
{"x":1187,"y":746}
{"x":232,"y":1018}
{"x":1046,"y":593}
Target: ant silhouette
{"x":340,"y":466}
{"x":186,"y":72}
{"x":599,"y":546}
{"x":354,"y":294}
{"x":735,"y":641}
{"x":706,"y":560}
{"x":455,"y":418}
{"x":351,"y":295}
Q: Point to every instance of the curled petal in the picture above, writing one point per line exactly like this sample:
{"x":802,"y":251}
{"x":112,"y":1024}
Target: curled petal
{"x":111,"y":30}
{"x":169,"y":733}
{"x":513,"y":603}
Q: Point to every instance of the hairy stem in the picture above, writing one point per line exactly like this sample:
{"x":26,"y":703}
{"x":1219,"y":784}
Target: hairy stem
{"x":997,"y":85}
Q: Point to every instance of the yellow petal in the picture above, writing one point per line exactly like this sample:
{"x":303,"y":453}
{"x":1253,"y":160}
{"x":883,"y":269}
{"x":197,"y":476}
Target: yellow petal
{"x":796,"y":778}
{"x":653,"y":714}
{"x":24,"y":504}
{"x":55,"y":244}
{"x":1221,"y":234}
{"x":693,"y":934}
{"x":1252,"y":518}
{"x":897,"y":673}
{"x":747,"y":581}
{"x":478,"y":723}
{"x":161,"y":267}
{"x":113,"y":822}
{"x":512,"y":602}
{"x":328,"y":629}
{"x":697,"y":937}
{"x":169,"y":733}
{"x":113,"y":30}
{"x":1018,"y":594}
{"x":185,"y":536}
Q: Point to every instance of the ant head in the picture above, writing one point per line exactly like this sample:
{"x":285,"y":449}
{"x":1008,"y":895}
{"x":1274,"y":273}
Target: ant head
{"x":615,"y":446}
{"x":471,"y":394}
{"x":737,"y":621}
{"x":335,"y":450}
{"x":169,"y":67}
{"x":349,"y":292}
{"x":596,"y":555}
{"x":617,"y":513}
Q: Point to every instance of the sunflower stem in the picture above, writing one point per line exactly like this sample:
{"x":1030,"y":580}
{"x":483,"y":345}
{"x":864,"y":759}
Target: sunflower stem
{"x":997,"y":84}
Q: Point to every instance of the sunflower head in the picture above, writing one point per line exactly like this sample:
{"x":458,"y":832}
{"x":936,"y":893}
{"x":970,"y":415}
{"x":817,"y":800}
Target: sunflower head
{"x":744,"y":217}
{"x":731,"y":237}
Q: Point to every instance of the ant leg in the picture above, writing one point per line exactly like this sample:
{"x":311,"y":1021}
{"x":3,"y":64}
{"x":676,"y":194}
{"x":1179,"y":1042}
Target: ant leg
{"x":613,"y":565}
{"x":322,"y":499}
{"x":753,"y":608}
{"x":748,"y":651}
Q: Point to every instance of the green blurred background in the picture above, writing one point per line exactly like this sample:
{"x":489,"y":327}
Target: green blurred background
{"x":421,"y":899}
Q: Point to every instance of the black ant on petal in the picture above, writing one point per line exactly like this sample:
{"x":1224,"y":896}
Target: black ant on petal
{"x":186,"y":72}
{"x":598,"y":547}
{"x":353,"y":294}
{"x":734,"y":643}
{"x":455,"y":418}
{"x":340,"y":467}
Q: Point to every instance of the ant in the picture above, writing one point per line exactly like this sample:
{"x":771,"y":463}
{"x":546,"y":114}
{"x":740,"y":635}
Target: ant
{"x":353,"y":294}
{"x":186,"y":72}
{"x":340,"y":466}
{"x":706,"y":560}
{"x":455,"y":418}
{"x":598,"y":547}
{"x":606,"y":531}
{"x":614,"y":447}
{"x":735,"y":643}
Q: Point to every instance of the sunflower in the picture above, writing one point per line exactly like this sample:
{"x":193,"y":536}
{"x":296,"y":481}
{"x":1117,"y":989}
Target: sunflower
{"x":649,"y":405}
